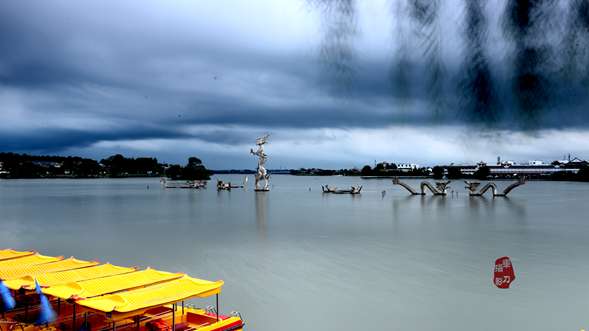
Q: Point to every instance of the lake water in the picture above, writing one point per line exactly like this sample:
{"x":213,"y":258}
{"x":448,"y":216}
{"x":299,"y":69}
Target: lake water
{"x":295,"y":259}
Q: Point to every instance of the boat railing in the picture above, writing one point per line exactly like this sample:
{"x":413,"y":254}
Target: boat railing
{"x":211,"y":310}
{"x":10,"y":326}
{"x":142,"y":319}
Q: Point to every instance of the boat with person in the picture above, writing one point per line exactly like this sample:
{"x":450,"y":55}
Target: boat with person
{"x":221,"y":185}
{"x":40,"y":292}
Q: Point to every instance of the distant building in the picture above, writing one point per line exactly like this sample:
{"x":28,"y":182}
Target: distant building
{"x":533,"y":168}
{"x":48,"y":164}
{"x":407,"y":167}
{"x":536,"y":163}
{"x":2,"y":171}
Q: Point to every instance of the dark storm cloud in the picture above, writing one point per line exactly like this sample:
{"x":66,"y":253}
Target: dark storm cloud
{"x":73,"y":74}
{"x":50,"y":140}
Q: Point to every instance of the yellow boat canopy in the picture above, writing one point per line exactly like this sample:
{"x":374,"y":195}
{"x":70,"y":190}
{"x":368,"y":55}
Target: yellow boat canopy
{"x":28,"y":260}
{"x":106,"y":288}
{"x":7,"y":254}
{"x":139,"y":300}
{"x":100,"y":286}
{"x":68,"y":276}
{"x":36,"y":269}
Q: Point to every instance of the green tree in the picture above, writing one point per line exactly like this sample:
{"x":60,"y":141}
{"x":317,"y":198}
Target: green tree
{"x":454,"y":173}
{"x":366,"y":171}
{"x":438,"y":172}
{"x":174,"y":172}
{"x":115,"y":165}
{"x":194,"y":161}
{"x":195,"y":170}
{"x":583,"y":174}
{"x":391,"y":166}
{"x":482,"y":172}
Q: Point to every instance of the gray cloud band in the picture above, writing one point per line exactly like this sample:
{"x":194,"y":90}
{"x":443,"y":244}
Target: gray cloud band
{"x":154,"y":79}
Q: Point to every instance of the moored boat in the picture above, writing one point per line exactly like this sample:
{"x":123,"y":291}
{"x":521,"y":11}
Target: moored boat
{"x":87,"y":295}
{"x":189,"y":184}
{"x":221,"y":185}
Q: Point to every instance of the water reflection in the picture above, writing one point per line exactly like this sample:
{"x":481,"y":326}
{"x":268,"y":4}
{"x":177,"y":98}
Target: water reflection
{"x":441,"y":202}
{"x":477,"y":206}
{"x":261,"y":213}
{"x":321,"y":246}
{"x":223,"y":195}
{"x":427,"y":200}
{"x":515,"y":207}
{"x":399,"y":204}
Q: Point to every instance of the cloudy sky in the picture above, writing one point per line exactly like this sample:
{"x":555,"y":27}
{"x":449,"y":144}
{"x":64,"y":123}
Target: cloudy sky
{"x":337,"y":83}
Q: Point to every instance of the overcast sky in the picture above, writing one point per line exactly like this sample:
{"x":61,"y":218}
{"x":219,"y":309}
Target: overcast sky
{"x":173,"y":79}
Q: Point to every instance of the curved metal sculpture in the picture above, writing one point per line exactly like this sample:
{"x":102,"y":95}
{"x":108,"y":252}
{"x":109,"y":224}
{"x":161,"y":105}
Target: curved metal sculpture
{"x":261,"y":174}
{"x":396,"y":181}
{"x":473,"y":186}
{"x":352,"y":190}
{"x":441,"y":187}
{"x":328,"y":189}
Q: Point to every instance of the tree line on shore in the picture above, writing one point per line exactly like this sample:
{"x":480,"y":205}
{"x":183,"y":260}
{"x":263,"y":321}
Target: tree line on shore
{"x":13,"y":165}
{"x":385,"y":169}
{"x":382,"y":169}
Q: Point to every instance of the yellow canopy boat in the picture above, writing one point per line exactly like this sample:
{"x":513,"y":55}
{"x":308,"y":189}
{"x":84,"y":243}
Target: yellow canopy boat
{"x":67,"y":276}
{"x":107,"y":297}
{"x":7,"y":254}
{"x":27,"y":260}
{"x":105,"y":285}
{"x":44,"y":268}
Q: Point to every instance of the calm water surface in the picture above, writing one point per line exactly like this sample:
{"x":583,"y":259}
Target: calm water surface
{"x":294,"y":259}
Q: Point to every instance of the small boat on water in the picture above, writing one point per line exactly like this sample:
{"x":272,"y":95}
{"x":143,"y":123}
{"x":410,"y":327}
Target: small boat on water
{"x":40,"y":292}
{"x":189,"y":184}
{"x":221,"y":185}
{"x":335,"y":190}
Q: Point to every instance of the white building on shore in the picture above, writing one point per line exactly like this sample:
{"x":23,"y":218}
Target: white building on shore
{"x":406,"y":167}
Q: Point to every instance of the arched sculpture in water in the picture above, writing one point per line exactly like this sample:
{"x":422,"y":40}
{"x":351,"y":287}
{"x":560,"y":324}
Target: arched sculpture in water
{"x":472,"y":188}
{"x":261,"y":174}
{"x":353,"y":189}
{"x":441,"y":187}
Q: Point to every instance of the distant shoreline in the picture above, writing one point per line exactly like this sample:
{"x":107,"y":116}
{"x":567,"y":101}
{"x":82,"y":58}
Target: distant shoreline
{"x":24,"y":166}
{"x":546,"y":179}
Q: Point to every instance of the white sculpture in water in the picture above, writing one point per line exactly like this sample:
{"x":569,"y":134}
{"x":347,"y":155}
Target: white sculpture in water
{"x":262,"y":174}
